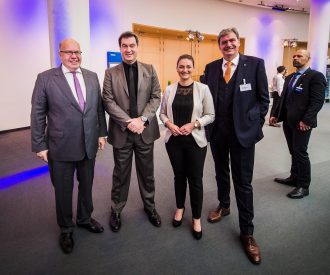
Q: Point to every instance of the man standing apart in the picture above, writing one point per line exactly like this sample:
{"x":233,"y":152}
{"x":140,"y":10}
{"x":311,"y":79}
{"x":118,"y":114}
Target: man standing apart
{"x":239,"y":87}
{"x":67,"y":128}
{"x":131,"y":96}
{"x":277,"y":87}
{"x":302,"y":98}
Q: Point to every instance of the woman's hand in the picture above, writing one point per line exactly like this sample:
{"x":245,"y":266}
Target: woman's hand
{"x":175,"y":130}
{"x":187,"y":128}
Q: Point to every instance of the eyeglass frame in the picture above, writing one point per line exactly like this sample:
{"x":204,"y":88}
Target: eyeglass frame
{"x":71,"y":52}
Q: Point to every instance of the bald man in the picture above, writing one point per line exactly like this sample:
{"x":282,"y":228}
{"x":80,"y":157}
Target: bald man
{"x":67,"y":128}
{"x":302,"y":98}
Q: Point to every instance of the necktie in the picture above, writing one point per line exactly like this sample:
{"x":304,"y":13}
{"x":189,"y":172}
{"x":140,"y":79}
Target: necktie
{"x":78,"y":91}
{"x":293,"y":80}
{"x":132,"y":93}
{"x":228,"y":72}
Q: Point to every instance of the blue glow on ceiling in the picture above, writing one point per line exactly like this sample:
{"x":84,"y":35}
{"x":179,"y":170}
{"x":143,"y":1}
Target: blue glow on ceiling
{"x":7,"y":182}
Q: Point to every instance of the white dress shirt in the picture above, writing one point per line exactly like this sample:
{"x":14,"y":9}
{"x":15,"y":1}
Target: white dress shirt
{"x":69,"y":77}
{"x":278,"y":82}
{"x":233,"y":65}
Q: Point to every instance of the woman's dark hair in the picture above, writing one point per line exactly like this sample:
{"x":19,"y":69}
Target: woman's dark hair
{"x":186,"y":56}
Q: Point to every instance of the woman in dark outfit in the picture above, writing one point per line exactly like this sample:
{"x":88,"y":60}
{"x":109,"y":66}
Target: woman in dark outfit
{"x":186,"y":107}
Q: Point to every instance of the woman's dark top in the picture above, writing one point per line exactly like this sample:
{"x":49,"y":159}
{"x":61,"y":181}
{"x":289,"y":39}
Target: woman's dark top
{"x":183,"y":104}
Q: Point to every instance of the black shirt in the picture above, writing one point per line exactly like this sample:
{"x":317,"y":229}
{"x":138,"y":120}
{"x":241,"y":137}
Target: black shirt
{"x":135,"y":72}
{"x":183,"y":104}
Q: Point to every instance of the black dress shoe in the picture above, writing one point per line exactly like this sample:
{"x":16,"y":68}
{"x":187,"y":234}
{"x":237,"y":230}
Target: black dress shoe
{"x":288,"y":181}
{"x":154,"y":217}
{"x":298,"y":193}
{"x":66,"y":242}
{"x":93,"y":226}
{"x":115,"y":221}
{"x":177,"y":223}
{"x":197,"y":234}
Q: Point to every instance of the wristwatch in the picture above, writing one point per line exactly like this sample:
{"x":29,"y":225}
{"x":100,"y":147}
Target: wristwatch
{"x":144,"y":119}
{"x":196,"y":124}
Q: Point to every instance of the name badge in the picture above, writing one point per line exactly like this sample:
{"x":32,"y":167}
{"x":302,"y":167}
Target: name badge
{"x":245,"y":86}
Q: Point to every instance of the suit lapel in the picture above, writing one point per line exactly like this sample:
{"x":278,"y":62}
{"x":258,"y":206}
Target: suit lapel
{"x":241,"y":72}
{"x":65,"y":88}
{"x":122,"y":78}
{"x":301,"y":78}
{"x":215,"y":81}
{"x":88,"y":85}
{"x":140,"y":77}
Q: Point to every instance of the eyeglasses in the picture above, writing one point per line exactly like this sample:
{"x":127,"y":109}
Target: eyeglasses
{"x":71,"y":52}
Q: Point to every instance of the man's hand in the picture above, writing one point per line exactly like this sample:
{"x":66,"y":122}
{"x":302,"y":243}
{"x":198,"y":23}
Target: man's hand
{"x":102,"y":141}
{"x":136,"y":125}
{"x":43,"y":155}
{"x":272,"y":120}
{"x":187,"y":128}
{"x":303,"y":127}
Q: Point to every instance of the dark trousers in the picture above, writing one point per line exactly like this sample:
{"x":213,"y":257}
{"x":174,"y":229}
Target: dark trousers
{"x":187,"y":160}
{"x":300,"y":164}
{"x":62,"y":177}
{"x":227,"y":149}
{"x":144,"y":163}
{"x":276,"y":100}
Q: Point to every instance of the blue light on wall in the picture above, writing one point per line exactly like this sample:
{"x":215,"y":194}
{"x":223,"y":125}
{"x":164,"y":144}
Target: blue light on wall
{"x":7,"y":182}
{"x":264,"y":38}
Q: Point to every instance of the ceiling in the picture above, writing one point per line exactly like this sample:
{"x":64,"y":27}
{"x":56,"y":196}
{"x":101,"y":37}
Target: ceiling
{"x":300,"y":6}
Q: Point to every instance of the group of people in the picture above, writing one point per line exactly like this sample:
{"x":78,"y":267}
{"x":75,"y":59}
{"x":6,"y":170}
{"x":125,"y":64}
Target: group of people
{"x":68,"y":126}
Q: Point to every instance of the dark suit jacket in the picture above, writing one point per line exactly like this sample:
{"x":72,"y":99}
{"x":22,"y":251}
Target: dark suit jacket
{"x":304,"y":101}
{"x":116,"y":102}
{"x":58,"y":124}
{"x":249,"y":107}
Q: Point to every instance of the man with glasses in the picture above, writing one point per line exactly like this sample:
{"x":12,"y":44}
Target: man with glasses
{"x":67,"y":128}
{"x":131,"y":95}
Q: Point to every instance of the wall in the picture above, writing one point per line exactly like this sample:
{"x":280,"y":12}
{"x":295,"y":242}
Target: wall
{"x":263,"y":29}
{"x":24,"y":51}
{"x":24,"y":39}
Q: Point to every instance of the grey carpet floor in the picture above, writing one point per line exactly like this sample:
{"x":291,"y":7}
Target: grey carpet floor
{"x":293,"y":234}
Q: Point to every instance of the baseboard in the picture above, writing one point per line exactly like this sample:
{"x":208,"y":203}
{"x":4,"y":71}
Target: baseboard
{"x":14,"y":130}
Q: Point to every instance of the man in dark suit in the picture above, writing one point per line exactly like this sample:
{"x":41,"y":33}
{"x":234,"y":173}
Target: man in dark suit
{"x":67,"y":128}
{"x":239,"y":87}
{"x":302,"y":98}
{"x":131,"y":96}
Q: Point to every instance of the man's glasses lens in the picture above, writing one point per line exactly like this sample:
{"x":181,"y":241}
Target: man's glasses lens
{"x":71,"y":52}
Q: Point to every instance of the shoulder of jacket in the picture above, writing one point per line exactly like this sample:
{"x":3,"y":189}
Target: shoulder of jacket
{"x":214,"y":63}
{"x":86,"y":71}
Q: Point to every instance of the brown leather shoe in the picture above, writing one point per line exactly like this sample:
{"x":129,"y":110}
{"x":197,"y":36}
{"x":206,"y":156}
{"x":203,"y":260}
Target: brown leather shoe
{"x":215,"y":216}
{"x":251,"y":248}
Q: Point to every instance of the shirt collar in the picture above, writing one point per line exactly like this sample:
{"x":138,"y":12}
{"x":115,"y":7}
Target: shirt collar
{"x":65,"y":70}
{"x":302,"y":71}
{"x":134,"y":65}
{"x":234,"y":61}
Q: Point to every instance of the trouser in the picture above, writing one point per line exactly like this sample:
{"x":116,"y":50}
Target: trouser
{"x":300,"y":164}
{"x":227,"y":149}
{"x":276,"y":100}
{"x":187,"y":160}
{"x":122,"y":173}
{"x":62,"y":177}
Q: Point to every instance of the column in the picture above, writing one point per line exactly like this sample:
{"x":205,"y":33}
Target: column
{"x":68,"y":18}
{"x":318,"y":35}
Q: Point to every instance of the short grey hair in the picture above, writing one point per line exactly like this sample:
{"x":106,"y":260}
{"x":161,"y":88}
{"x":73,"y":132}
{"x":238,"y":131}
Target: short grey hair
{"x":227,"y":31}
